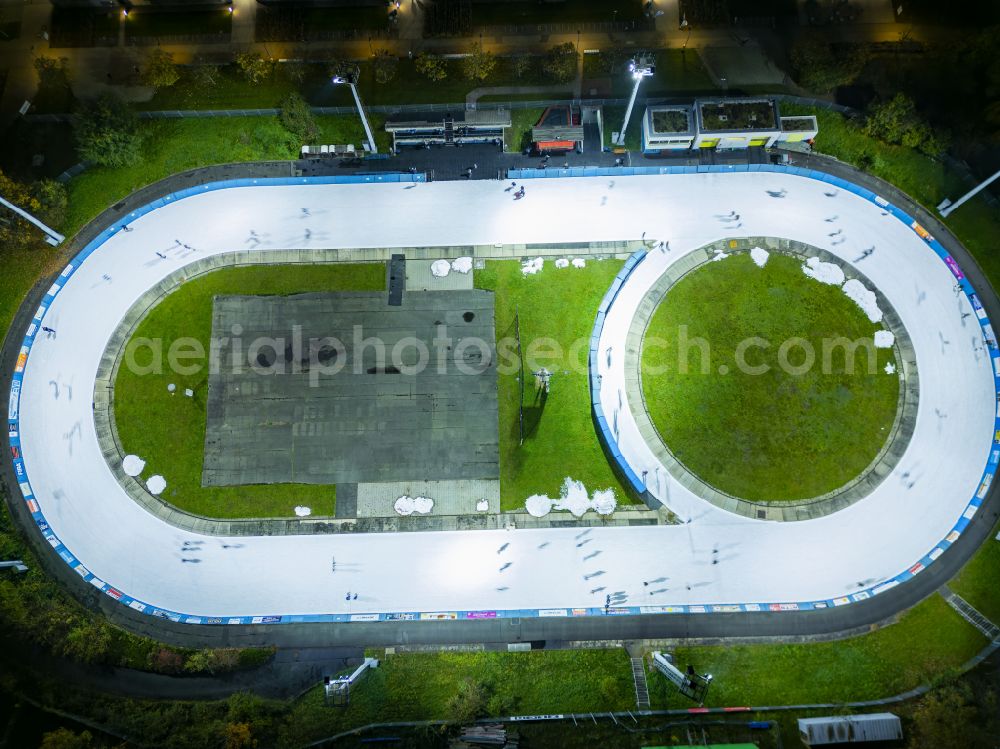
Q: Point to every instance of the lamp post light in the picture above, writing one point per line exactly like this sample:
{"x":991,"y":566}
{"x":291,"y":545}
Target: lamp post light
{"x":350,"y":78}
{"x":946,"y":206}
{"x":640,"y":68}
{"x":51,"y":235}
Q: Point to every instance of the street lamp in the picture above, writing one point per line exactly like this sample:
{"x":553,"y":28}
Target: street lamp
{"x":946,"y":206}
{"x":639,"y":68}
{"x":51,"y":235}
{"x":350,"y":78}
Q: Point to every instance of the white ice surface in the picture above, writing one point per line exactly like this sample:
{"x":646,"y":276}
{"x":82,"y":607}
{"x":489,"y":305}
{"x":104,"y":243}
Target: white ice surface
{"x":875,"y":538}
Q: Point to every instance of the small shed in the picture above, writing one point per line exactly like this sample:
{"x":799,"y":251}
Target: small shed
{"x":850,"y":729}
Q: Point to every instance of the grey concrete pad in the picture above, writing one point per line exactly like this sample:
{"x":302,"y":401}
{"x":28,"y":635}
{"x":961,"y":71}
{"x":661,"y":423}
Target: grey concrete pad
{"x":458,"y":497}
{"x":282,"y":415}
{"x":419,"y":277}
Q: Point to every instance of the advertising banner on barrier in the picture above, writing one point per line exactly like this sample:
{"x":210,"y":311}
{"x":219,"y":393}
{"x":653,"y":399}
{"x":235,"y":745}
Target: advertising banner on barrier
{"x":438,"y":615}
{"x":15,"y":397}
{"x":953,"y":267}
{"x":553,"y":612}
{"x":481,"y":615}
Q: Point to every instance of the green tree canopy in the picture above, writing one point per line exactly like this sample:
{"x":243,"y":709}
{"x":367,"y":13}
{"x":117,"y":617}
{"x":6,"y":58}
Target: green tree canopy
{"x":46,"y":200}
{"x":297,"y":117}
{"x":63,"y":738}
{"x":431,"y":66}
{"x":106,"y":131}
{"x":385,"y":66}
{"x":560,"y":62}
{"x":480,"y":63}
{"x":205,"y":76}
{"x":159,"y":70}
{"x":520,"y":64}
{"x":896,"y":121}
{"x":52,"y":71}
{"x":254,"y":67}
{"x":821,"y":68}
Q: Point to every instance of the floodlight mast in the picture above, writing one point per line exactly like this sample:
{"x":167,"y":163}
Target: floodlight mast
{"x":640,"y":68}
{"x":947,"y":206}
{"x":51,"y":235}
{"x":350,"y":78}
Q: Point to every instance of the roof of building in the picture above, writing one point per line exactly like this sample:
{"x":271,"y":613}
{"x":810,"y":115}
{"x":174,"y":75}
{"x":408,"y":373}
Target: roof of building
{"x":470,"y":117}
{"x":720,"y":115}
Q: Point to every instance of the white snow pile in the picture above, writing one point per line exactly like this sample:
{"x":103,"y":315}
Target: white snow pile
{"x":579,"y":262}
{"x":720,"y":256}
{"x":604,"y":501}
{"x":890,"y":368}
{"x":483,"y":505}
{"x":562,"y":263}
{"x":461,"y":264}
{"x":440,"y":268}
{"x":171,"y":387}
{"x":531,"y":267}
{"x":408,"y":505}
{"x":156,"y":484}
{"x":884,"y":339}
{"x":538,"y":505}
{"x":759,"y":255}
{"x":573,"y":497}
{"x":864,"y":298}
{"x":133,"y":465}
{"x":823,"y":272}
{"x":303,"y":511}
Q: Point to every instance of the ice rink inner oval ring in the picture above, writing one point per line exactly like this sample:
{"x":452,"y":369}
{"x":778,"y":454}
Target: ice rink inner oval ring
{"x":677,"y":267}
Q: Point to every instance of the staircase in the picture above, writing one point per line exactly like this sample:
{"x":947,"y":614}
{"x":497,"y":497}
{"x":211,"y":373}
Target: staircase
{"x":641,"y":690}
{"x":449,"y":130}
{"x":972,"y":616}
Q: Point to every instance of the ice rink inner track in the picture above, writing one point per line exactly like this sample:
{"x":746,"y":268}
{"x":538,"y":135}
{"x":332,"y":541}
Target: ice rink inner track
{"x":136,"y":557}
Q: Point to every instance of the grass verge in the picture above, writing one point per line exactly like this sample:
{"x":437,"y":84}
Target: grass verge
{"x":930,"y":642}
{"x":423,"y":686}
{"x":977,"y":582}
{"x":172,"y":146}
{"x":168,"y":430}
{"x":556,"y":308}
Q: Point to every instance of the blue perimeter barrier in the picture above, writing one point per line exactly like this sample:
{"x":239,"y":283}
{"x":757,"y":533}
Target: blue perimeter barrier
{"x":972,"y":507}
